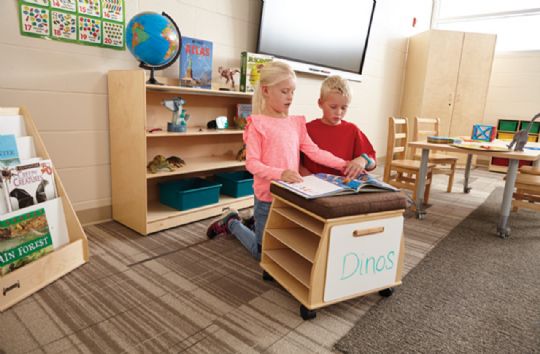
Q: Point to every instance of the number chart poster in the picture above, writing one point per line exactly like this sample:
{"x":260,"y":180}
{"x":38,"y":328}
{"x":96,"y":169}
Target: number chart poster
{"x":91,"y":22}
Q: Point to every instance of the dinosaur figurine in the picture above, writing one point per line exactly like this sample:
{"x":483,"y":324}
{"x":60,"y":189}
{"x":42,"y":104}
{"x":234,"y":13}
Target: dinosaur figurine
{"x":175,"y":161}
{"x":159,"y":163}
{"x":241,"y":154}
{"x":520,"y":138}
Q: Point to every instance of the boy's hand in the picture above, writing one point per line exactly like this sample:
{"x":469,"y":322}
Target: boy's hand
{"x":291,"y":176}
{"x":354,"y":168}
{"x":304,"y":171}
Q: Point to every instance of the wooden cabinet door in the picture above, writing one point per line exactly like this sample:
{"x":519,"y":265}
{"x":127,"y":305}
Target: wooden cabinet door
{"x":442,"y":77}
{"x":473,"y":81}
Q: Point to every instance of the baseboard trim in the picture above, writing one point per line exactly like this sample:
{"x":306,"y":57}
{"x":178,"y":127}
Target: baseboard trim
{"x":95,"y":215}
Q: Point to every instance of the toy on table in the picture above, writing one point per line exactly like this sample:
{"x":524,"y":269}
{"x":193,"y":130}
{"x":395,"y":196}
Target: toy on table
{"x":520,"y":138}
{"x":442,"y":140}
{"x":484,"y":132}
{"x":179,"y":115}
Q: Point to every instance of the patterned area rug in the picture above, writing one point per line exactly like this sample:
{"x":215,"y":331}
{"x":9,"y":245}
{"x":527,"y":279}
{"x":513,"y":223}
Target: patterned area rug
{"x":474,"y":292}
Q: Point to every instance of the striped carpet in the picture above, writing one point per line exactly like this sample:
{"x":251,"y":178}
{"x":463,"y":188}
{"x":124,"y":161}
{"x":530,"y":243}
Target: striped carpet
{"x":175,"y":291}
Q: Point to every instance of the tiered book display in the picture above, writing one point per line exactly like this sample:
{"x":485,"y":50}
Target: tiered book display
{"x":41,"y":238}
{"x":138,"y":132}
{"x":506,"y":129}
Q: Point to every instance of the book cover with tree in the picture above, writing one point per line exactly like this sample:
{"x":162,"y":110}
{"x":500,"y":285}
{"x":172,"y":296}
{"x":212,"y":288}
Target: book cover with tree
{"x":23,"y":239}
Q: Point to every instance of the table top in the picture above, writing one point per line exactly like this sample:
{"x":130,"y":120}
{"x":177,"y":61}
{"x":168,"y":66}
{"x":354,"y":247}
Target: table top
{"x":527,"y":155}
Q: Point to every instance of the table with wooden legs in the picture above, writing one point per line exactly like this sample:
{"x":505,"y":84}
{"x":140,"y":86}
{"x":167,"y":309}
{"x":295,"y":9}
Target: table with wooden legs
{"x":528,"y":155}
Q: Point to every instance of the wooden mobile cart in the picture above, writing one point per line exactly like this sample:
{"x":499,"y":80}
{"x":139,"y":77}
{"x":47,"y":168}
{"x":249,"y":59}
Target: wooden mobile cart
{"x":28,"y":279}
{"x":327,"y":250}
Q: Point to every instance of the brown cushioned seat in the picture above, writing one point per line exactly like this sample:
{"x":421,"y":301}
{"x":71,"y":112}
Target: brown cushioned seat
{"x":345,"y":205}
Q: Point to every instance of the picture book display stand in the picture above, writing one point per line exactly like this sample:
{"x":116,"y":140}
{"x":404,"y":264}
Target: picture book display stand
{"x":327,"y":250}
{"x":23,"y":282}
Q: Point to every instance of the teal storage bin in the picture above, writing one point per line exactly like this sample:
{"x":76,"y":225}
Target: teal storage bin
{"x":189,"y":193}
{"x":236,"y":184}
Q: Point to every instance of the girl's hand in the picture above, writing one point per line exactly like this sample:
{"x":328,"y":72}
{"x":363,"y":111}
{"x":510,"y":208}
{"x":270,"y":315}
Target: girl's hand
{"x":354,"y":168}
{"x":291,"y":176}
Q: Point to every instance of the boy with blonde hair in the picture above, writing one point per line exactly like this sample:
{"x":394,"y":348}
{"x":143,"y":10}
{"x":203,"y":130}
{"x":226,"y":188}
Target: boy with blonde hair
{"x":332,"y":133}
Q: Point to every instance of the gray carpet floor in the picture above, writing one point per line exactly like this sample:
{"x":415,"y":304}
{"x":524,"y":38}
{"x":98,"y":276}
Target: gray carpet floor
{"x":473,"y":293}
{"x":177,"y":292}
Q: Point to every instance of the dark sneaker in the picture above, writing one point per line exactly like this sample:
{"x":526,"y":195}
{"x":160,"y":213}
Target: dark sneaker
{"x":221,"y":225}
{"x":249,"y":223}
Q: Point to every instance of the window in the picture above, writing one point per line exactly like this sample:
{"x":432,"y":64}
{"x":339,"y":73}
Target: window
{"x":516,"y":22}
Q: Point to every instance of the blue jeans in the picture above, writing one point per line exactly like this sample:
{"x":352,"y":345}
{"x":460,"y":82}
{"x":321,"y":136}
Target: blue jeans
{"x":252,"y":241}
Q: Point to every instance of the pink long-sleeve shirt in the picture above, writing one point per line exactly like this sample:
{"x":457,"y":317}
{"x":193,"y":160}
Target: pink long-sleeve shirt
{"x":273,"y":146}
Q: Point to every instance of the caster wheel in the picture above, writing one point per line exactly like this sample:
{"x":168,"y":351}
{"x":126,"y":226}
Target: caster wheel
{"x":467,"y":190}
{"x":266,"y":276}
{"x":421,"y":215}
{"x":386,"y":292}
{"x":306,"y":313}
{"x":504,"y":233}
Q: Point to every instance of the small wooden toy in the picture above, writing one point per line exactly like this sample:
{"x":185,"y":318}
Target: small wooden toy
{"x":483,"y":132}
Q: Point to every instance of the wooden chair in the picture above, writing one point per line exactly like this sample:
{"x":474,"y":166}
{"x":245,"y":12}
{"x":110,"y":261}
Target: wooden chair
{"x":444,"y":164}
{"x":399,"y":171}
{"x":527,"y":194}
{"x":530,"y":170}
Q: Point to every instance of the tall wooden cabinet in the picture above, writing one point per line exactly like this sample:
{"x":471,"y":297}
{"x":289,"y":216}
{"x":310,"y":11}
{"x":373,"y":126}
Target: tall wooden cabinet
{"x":134,"y":109}
{"x":447,"y":76}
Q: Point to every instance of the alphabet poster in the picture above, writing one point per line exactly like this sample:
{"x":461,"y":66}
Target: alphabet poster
{"x":358,"y":264}
{"x":90,"y":22}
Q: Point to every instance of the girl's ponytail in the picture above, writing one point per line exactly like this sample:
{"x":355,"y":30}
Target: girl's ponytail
{"x":257,"y":101}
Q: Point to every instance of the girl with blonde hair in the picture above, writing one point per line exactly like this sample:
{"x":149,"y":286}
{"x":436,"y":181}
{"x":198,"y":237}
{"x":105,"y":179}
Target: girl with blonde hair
{"x":274,"y":140}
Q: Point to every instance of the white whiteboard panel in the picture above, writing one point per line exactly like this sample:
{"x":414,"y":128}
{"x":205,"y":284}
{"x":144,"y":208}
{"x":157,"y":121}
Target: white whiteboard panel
{"x":360,"y":264}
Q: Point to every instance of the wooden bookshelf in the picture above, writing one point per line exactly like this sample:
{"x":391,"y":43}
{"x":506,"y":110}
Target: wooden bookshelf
{"x":135,"y":110}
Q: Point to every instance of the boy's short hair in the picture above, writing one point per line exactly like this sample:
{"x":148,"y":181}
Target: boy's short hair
{"x":337,"y":84}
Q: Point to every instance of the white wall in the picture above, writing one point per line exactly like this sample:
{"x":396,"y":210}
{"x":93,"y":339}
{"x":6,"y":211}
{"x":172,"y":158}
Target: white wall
{"x":64,"y":85}
{"x":514,"y":89}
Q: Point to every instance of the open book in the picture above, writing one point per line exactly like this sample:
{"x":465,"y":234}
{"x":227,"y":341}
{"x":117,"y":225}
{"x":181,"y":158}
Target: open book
{"x":324,"y":185}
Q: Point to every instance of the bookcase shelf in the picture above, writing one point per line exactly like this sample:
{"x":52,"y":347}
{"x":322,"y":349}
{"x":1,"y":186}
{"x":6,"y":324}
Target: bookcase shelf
{"x":28,"y":279}
{"x":200,"y":165}
{"x":506,"y":129}
{"x":135,"y":109}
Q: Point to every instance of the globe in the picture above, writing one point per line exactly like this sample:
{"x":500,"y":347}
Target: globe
{"x":154,"y":40}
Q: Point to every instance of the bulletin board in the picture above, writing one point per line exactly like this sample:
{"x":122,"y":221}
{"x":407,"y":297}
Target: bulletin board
{"x":89,"y":22}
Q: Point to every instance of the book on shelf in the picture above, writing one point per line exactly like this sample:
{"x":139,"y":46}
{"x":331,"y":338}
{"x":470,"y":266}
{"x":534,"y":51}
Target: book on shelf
{"x":28,"y":184}
{"x":243,"y":111}
{"x":196,"y":63}
{"x":251,"y":65}
{"x":9,"y":154}
{"x":23,"y":239}
{"x":325,"y":185}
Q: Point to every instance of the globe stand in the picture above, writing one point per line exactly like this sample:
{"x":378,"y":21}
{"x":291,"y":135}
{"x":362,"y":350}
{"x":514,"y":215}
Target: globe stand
{"x":152,"y":80}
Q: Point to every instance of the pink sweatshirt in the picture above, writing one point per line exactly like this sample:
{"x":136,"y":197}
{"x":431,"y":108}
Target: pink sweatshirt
{"x":274,"y":144}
